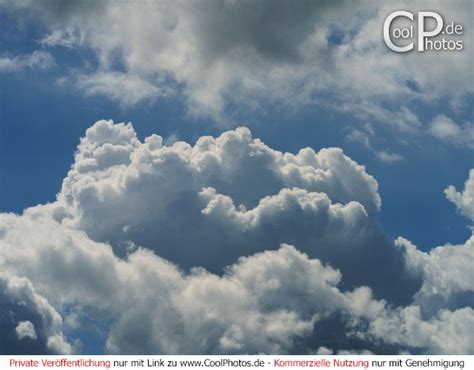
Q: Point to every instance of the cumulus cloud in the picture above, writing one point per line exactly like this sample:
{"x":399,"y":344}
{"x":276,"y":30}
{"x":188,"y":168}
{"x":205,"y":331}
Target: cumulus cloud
{"x":234,"y":196}
{"x":447,"y":275}
{"x":26,"y":329}
{"x":225,"y":246}
{"x":449,"y":332}
{"x":464,"y":201}
{"x":259,"y":305}
{"x":37,"y":60}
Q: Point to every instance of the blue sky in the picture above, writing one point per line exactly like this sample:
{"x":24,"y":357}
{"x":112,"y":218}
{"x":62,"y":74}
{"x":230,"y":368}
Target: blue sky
{"x":314,"y":75}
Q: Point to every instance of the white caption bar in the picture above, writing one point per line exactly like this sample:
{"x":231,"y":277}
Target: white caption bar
{"x":236,"y":362}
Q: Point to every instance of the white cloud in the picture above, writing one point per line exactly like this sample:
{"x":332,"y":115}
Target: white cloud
{"x":26,"y":329}
{"x":444,"y":128}
{"x":65,"y":38}
{"x":446,"y":274}
{"x":120,"y":87}
{"x":125,"y":204}
{"x":261,"y":304}
{"x":233,"y":195}
{"x":155,"y":308}
{"x":264,"y":303}
{"x":388,"y":157}
{"x":464,"y":201}
{"x":226,"y":55}
{"x":39,"y":59}
{"x":449,"y":332}
{"x":148,"y":212}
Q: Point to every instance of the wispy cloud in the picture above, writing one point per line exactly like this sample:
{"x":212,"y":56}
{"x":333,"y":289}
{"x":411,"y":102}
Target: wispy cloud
{"x":363,"y":137}
{"x":445,"y":129}
{"x":37,"y":60}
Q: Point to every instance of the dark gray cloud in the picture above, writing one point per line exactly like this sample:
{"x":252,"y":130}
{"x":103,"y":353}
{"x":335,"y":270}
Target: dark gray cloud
{"x":275,"y":30}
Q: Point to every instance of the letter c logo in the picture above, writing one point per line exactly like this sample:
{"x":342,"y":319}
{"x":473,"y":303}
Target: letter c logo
{"x":386,"y":31}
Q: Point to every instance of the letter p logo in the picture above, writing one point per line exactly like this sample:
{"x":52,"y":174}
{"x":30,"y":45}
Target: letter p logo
{"x":422,"y":33}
